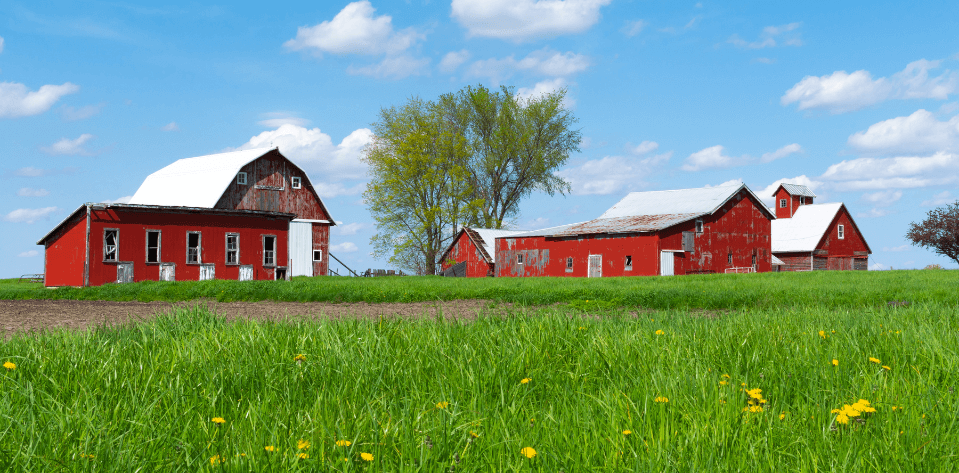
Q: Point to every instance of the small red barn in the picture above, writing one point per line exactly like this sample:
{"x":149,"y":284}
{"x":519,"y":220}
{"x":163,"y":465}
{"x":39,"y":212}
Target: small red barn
{"x":470,"y":253}
{"x":687,"y":231}
{"x":808,"y":236}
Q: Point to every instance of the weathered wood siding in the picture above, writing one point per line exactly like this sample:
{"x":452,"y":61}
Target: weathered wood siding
{"x":269,"y":188}
{"x":465,"y":250}
{"x":841,"y":254}
{"x":321,"y":241}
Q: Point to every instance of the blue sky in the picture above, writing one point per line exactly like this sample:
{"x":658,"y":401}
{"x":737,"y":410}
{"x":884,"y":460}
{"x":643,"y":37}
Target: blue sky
{"x":858,"y":100}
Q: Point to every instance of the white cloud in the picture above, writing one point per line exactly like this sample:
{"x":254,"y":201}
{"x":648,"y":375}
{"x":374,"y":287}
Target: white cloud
{"x":393,"y":67}
{"x":453,"y":60}
{"x":785,"y":34}
{"x":31,"y":192}
{"x":16,"y":100}
{"x":69,"y":147}
{"x":898,"y":248}
{"x":354,"y":30}
{"x":767,"y":194}
{"x":875,"y":212}
{"x":842,"y":92}
{"x":349,"y":228}
{"x":314,"y":151}
{"x":781,"y":153}
{"x":1,"y":44}
{"x":329,"y":191}
{"x":544,"y":62}
{"x":172,"y":126}
{"x":611,"y":174}
{"x":35,"y":172}
{"x":29,"y":254}
{"x":346,"y":247}
{"x":545,"y":87}
{"x":882,"y":198}
{"x":634,"y":27}
{"x":942,"y":198}
{"x":878,"y":267}
{"x":711,"y":157}
{"x":890,"y":173}
{"x":29,"y":215}
{"x":920,"y":132}
{"x":643,"y":148}
{"x":72,"y":114}
{"x":521,"y":20}
{"x":120,"y":200}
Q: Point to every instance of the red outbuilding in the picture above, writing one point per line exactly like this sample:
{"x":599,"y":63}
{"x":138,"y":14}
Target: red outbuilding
{"x":470,"y":253}
{"x":249,"y":214}
{"x":688,"y":231}
{"x":808,"y":236}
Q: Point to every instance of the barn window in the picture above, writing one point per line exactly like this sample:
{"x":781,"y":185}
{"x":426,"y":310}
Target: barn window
{"x":569,"y":263}
{"x":241,"y":178}
{"x":782,"y":203}
{"x":269,"y":250}
{"x":232,"y":248}
{"x":754,"y":259}
{"x":729,"y":258}
{"x":699,"y":226}
{"x":295,"y":182}
{"x":153,"y":246}
{"x":629,"y":263}
{"x":519,"y":259}
{"x":842,"y":232}
{"x":193,"y":248}
{"x":317,"y":255}
{"x":111,"y":237}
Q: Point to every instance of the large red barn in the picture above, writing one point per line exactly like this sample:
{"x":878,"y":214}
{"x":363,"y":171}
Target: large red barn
{"x":470,"y":253}
{"x":687,"y":231}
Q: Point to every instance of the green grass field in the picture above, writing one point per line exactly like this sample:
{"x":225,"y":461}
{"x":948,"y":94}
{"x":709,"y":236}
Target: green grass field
{"x":434,"y":395}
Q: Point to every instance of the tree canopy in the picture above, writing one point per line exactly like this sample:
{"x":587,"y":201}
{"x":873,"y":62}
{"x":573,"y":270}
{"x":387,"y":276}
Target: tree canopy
{"x":938,"y":232}
{"x":468,"y":158}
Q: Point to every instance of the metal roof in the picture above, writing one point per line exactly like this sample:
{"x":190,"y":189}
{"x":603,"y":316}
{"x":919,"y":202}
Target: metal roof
{"x":796,"y":189}
{"x":777,"y":261}
{"x":695,"y":202}
{"x":541,"y":232}
{"x":803,"y":231}
{"x":195,"y":182}
{"x":642,"y":223}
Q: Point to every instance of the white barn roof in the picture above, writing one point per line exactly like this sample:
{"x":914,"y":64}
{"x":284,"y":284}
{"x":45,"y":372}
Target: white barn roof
{"x":489,"y":236}
{"x":195,"y":182}
{"x":698,"y":201}
{"x":802,"y":232}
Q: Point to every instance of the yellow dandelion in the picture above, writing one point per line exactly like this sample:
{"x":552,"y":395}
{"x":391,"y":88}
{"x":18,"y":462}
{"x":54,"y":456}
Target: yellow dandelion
{"x":842,"y":418}
{"x":886,"y":368}
{"x":442,"y":405}
{"x":582,"y":328}
{"x":660,"y":332}
{"x":9,"y":365}
{"x":627,"y":432}
{"x":525,"y":381}
{"x":302,"y":445}
{"x":662,"y":399}
{"x":474,"y":435}
{"x":528,"y":452}
{"x":726,"y":376}
{"x":269,"y":448}
{"x":822,"y":334}
{"x":299,"y":358}
{"x":343,"y":443}
{"x":218,"y":420}
{"x":366,"y":456}
{"x":782,"y":416}
{"x":215,"y":460}
{"x":835,"y":362}
{"x":303,"y":456}
{"x":875,"y":360}
{"x":722,"y":383}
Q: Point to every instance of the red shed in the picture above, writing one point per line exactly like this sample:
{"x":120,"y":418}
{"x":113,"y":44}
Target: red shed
{"x":106,"y":243}
{"x":688,"y":231}
{"x":470,"y":253}
{"x":809,"y":236}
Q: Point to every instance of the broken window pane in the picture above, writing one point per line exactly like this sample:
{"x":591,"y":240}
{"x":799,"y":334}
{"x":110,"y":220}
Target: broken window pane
{"x":110,"y":245}
{"x":153,"y":247}
{"x":192,"y":247}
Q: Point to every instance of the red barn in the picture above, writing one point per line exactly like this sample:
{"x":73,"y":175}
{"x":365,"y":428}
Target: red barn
{"x":688,"y":231}
{"x":470,"y":253}
{"x":213,"y":216}
{"x":808,"y":237}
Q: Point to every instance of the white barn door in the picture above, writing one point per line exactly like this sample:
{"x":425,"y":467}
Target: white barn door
{"x":301,"y":248}
{"x":595,"y":269}
{"x":666,"y":260}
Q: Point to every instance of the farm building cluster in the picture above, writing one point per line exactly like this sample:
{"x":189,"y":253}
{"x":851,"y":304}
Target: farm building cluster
{"x":722,"y":229}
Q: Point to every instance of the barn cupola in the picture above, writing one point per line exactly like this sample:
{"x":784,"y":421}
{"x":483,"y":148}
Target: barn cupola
{"x":789,"y":197}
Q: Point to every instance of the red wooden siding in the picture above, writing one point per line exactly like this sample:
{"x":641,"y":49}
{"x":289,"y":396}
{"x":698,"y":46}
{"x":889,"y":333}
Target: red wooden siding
{"x":321,"y":241}
{"x":841,"y":254}
{"x":269,"y":188}
{"x":795,"y":261}
{"x":464,"y":249}
{"x":65,"y":254}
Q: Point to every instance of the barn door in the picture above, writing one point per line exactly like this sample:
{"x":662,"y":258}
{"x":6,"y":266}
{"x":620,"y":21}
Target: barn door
{"x":666,"y":263}
{"x":168,"y":272}
{"x":595,"y":269}
{"x":301,"y":248}
{"x":207,"y":272}
{"x":124,"y":272}
{"x":246,"y":272}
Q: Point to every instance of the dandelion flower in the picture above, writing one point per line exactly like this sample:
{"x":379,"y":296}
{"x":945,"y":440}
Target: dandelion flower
{"x":366,"y":456}
{"x":343,"y":443}
{"x":726,"y":376}
{"x":299,"y":358}
{"x":842,"y":418}
{"x":822,"y":334}
{"x":886,"y":368}
{"x":582,"y":328}
{"x":303,"y":456}
{"x":782,"y":416}
{"x":661,"y":399}
{"x":528,"y":452}
{"x":835,"y":362}
{"x":875,"y":360}
{"x":442,"y":405}
{"x":525,"y":381}
{"x":302,"y":445}
{"x":218,"y":420}
{"x":627,"y":432}
{"x":215,"y":460}
{"x":722,"y":383}
{"x":10,"y":365}
{"x":269,"y":448}
{"x":660,"y":332}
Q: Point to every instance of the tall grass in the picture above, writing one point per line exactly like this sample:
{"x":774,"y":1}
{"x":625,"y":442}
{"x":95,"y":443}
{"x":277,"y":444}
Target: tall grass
{"x":141,"y":397}
{"x":831,"y":289}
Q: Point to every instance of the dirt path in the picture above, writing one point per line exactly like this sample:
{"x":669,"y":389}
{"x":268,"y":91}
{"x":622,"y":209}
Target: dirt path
{"x":30,"y":315}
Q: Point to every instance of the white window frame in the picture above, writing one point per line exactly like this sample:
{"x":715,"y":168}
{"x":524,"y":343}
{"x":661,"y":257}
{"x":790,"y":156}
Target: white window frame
{"x":699,"y":226}
{"x":227,"y":251}
{"x":116,"y":245}
{"x":315,"y":259}
{"x":269,"y":256}
{"x":296,"y":182}
{"x":159,"y":246}
{"x":241,"y":178}
{"x":569,"y":263}
{"x":782,"y":203}
{"x":842,"y":232}
{"x":519,"y":258}
{"x":629,"y":262}
{"x":729,"y":258}
{"x":199,"y":248}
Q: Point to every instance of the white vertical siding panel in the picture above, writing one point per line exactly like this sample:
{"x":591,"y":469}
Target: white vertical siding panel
{"x":301,"y":248}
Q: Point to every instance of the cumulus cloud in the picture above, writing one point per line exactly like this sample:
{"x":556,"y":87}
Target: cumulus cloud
{"x":315,"y":152}
{"x":894,"y":173}
{"x":544,"y":62}
{"x":842,"y":92}
{"x":349,"y":228}
{"x":920,"y":132}
{"x":29,"y":254}
{"x":767,"y":193}
{"x":172,"y":126}
{"x":942,"y":198}
{"x":611,"y":174}
{"x":393,"y":67}
{"x":643,"y":148}
{"x":545,"y":87}
{"x":523,"y":20}
{"x":771,"y":36}
{"x":69,"y":147}
{"x":31,"y":192}
{"x":708,"y":158}
{"x":345,"y":247}
{"x":781,"y":153}
{"x":16,"y":100}
{"x":354,"y":30}
{"x":70,"y":114}
{"x":634,"y":27}
{"x":453,"y":59}
{"x":29,"y":215}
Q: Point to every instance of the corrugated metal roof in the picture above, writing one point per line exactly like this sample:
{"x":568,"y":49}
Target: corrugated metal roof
{"x":796,"y":189}
{"x":489,"y":235}
{"x":194,"y":182}
{"x":542,"y":232}
{"x":642,"y":223}
{"x":698,"y":201}
{"x":803,"y":231}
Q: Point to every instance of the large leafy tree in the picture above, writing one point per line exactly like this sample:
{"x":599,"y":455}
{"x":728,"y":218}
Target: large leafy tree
{"x":938,"y":232}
